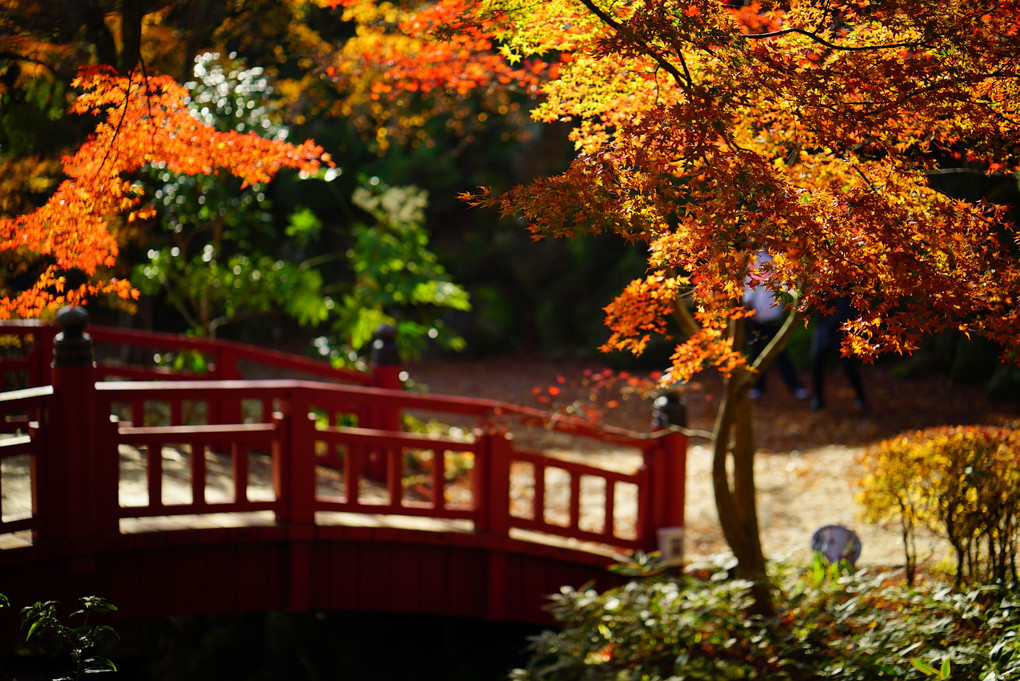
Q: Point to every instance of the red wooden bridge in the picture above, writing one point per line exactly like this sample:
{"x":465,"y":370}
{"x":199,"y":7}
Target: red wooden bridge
{"x":171,"y":494}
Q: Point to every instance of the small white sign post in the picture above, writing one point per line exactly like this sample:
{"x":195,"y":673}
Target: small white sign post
{"x":671,"y":545}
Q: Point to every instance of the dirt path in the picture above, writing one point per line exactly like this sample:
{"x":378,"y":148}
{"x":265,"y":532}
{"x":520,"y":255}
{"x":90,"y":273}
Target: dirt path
{"x":807,"y":462}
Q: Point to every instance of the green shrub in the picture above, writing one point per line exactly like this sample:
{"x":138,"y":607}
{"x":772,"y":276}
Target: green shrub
{"x":857,"y":627}
{"x":73,"y":639}
{"x":962,"y":483}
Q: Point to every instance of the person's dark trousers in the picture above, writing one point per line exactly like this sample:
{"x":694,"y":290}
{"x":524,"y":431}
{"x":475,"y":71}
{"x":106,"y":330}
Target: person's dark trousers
{"x":759,"y":335}
{"x":824,"y":343}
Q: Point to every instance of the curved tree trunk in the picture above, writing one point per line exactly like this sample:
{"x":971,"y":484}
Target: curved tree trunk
{"x":733,"y":451}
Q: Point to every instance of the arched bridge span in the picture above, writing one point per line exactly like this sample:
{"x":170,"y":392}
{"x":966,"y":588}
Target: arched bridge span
{"x":173,"y":497}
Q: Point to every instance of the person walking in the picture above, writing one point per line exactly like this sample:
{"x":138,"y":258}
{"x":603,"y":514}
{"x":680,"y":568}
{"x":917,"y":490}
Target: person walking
{"x":826,"y":340}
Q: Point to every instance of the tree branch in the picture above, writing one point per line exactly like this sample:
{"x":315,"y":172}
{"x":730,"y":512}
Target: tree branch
{"x":15,"y":56}
{"x":116,"y":130}
{"x":775,"y":345}
{"x":684,"y":317}
{"x":832,"y":46}
{"x":684,"y":79}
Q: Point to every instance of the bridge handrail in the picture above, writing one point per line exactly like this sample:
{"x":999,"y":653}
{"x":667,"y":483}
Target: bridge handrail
{"x":18,"y":407}
{"x":236,"y":436}
{"x":224,"y":352}
{"x":364,"y":440}
{"x":220,"y":348}
{"x":301,"y":397}
{"x":576,"y":471}
{"x":28,"y":398}
{"x":25,"y":404}
{"x":343,"y":396}
{"x":223,"y":348}
{"x":21,"y":445}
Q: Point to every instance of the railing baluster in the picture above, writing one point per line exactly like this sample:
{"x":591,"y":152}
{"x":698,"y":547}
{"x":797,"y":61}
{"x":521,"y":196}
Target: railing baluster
{"x":480,"y":481}
{"x":438,"y":478}
{"x":239,"y":454}
{"x":1,"y":490}
{"x":352,"y":473}
{"x":154,"y":474}
{"x":645,"y":531}
{"x":609,"y":526}
{"x":198,"y":474}
{"x":575,"y":501}
{"x":538,"y":503}
{"x":394,"y":459}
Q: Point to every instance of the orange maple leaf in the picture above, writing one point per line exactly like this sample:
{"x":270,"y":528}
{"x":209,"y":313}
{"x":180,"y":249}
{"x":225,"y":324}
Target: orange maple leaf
{"x":141,"y":120}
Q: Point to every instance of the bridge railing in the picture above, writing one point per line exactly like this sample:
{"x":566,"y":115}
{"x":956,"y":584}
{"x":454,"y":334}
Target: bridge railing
{"x":101,"y":453}
{"x":28,"y":357}
{"x":20,"y":444}
{"x":319,"y":466}
{"x":202,"y":444}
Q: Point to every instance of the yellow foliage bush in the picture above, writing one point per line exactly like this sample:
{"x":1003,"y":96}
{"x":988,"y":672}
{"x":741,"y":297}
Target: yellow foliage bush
{"x":960,"y":482}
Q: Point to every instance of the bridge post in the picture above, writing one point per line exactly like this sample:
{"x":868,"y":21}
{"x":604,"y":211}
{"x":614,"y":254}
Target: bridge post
{"x":491,"y":484}
{"x":294,"y":463}
{"x":294,"y":485}
{"x":386,"y":373}
{"x":667,"y":462}
{"x":76,"y":486}
{"x":491,"y":492}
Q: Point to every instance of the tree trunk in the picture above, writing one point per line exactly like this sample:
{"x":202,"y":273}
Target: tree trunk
{"x":199,"y":17}
{"x":733,"y":450}
{"x":99,"y":34}
{"x":131,"y":15}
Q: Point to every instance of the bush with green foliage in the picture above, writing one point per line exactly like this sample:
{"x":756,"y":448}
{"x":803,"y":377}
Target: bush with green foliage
{"x":859,"y":627}
{"x":961,"y":483}
{"x":74,"y":641}
{"x":397,"y":279}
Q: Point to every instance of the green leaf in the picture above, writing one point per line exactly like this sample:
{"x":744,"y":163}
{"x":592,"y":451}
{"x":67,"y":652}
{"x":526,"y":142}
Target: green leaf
{"x":924,"y":667}
{"x":304,"y":225}
{"x":100,"y":664}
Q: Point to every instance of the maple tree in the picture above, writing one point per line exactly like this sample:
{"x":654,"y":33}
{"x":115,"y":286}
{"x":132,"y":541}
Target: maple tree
{"x":141,"y":120}
{"x":295,"y":42}
{"x":381,"y":50}
{"x":712,"y":131}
